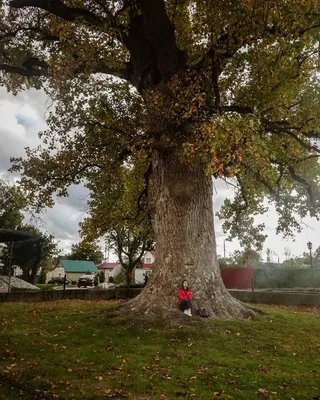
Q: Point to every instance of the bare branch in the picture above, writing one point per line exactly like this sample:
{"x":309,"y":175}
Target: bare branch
{"x":43,"y":34}
{"x":31,"y":67}
{"x":237,"y":108}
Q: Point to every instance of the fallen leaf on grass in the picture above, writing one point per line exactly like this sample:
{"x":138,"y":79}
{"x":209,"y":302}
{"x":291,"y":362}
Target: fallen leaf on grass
{"x":99,"y":378}
{"x":262,"y":390}
{"x":263,"y":369}
{"x":218,"y":394}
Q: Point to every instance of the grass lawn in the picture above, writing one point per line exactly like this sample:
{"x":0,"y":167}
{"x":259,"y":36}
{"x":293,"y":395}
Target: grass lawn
{"x":48,"y":286}
{"x":82,"y":350}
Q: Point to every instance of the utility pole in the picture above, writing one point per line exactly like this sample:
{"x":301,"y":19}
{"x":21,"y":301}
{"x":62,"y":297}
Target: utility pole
{"x":309,"y":244}
{"x":224,"y":249}
{"x":10,"y":263}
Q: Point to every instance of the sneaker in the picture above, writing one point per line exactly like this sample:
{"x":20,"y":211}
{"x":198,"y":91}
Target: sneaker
{"x":186,"y":312}
{"x":189,"y":313}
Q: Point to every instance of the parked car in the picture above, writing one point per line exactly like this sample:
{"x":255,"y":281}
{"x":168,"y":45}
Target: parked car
{"x":59,"y":280}
{"x":86,"y":281}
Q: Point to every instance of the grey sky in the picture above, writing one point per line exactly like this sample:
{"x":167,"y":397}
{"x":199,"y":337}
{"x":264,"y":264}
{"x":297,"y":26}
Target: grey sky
{"x":23,"y":116}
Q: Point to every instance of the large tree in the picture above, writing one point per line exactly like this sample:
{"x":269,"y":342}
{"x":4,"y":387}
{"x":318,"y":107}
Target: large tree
{"x":202,"y":88}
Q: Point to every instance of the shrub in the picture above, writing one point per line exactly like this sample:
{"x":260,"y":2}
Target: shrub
{"x":102,"y":277}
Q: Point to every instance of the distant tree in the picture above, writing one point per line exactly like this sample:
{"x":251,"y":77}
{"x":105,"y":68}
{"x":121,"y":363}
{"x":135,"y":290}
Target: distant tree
{"x":102,"y":277}
{"x":287,"y":253}
{"x":86,"y":251}
{"x":42,"y":276}
{"x":268,"y":251}
{"x":121,"y":217}
{"x":129,"y":247}
{"x":317,"y":253}
{"x":12,"y":203}
{"x":245,"y":258}
{"x":222,"y":262}
{"x":30,"y":255}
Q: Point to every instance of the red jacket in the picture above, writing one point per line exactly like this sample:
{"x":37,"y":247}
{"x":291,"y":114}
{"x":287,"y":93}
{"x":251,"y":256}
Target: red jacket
{"x":184,"y":295}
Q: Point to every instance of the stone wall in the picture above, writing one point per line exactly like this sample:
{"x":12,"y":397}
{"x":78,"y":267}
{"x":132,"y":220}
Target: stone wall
{"x":76,"y":294}
{"x":279,"y":298}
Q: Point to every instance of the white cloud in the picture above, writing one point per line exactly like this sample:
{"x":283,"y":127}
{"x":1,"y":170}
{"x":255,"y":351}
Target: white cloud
{"x":21,"y":118}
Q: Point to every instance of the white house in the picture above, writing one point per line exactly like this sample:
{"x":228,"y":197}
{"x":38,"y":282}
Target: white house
{"x":148,"y":259}
{"x":110,"y":269}
{"x":141,"y":273}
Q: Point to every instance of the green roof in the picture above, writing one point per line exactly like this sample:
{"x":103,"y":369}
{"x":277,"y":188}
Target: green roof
{"x":78,"y":266}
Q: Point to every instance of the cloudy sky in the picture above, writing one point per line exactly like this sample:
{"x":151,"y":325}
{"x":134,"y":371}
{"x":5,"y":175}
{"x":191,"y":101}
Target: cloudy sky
{"x":23,"y":116}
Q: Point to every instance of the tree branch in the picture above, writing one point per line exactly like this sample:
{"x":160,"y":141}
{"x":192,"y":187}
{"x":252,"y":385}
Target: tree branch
{"x":44,"y":35}
{"x":237,"y":108}
{"x":262,"y":181}
{"x":31,"y":67}
{"x":303,"y":182}
{"x":59,"y":9}
{"x":284,"y":127}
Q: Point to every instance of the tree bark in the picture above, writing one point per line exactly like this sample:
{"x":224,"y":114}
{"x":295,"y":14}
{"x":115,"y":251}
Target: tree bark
{"x":185,"y":244}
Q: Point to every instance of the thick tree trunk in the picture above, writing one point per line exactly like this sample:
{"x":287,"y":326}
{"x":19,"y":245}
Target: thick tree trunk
{"x":185,"y":244}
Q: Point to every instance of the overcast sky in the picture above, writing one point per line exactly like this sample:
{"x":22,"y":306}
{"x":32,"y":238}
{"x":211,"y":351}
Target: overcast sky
{"x":23,"y":116}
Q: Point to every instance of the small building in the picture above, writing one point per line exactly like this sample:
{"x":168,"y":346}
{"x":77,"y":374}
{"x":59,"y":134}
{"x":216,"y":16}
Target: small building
{"x":139,"y":275}
{"x":148,"y":259}
{"x":110,"y":269}
{"x":73,"y":269}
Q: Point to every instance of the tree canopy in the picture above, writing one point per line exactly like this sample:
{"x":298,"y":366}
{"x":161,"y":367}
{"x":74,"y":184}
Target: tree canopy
{"x":246,"y":100}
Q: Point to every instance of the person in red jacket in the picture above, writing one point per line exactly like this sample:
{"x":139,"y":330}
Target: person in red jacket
{"x":185,"y":296}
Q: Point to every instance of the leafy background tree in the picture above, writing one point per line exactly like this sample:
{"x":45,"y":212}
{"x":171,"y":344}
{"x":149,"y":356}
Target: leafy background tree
{"x":86,"y":251}
{"x":130,"y":248}
{"x":199,"y":89}
{"x":12,"y":203}
{"x":31,"y":255}
{"x":121,"y":216}
{"x":245,"y":258}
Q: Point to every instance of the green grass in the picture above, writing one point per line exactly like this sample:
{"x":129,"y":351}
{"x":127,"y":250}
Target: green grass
{"x":82,"y":350}
{"x":47,"y":286}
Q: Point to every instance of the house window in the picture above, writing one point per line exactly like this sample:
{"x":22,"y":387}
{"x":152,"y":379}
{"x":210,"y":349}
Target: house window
{"x":148,"y":260}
